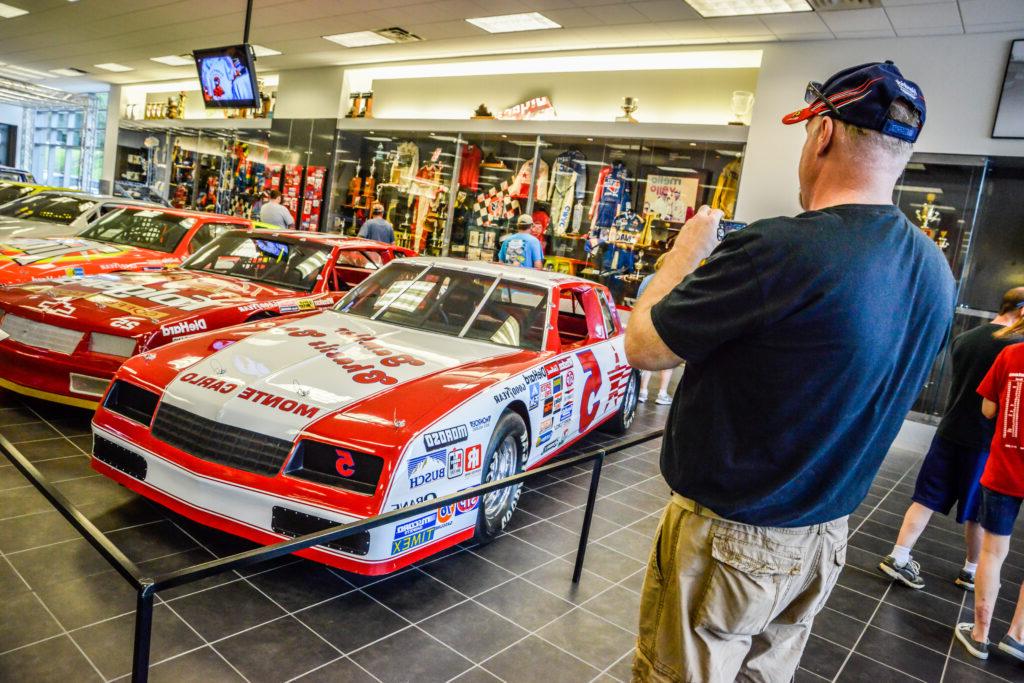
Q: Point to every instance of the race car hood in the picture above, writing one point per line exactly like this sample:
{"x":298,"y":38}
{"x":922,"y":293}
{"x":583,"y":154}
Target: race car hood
{"x":11,"y":227}
{"x":153,"y":300}
{"x":279,"y":380}
{"x":26,"y":258}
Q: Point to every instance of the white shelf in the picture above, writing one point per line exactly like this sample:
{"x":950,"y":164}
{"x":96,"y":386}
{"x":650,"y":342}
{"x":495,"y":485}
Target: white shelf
{"x":595,"y":129}
{"x":195,"y":124}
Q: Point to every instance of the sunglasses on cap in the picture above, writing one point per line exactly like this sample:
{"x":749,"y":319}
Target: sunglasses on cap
{"x":813,"y":94}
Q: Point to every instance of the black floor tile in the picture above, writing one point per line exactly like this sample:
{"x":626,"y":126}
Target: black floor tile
{"x":869,"y":582}
{"x":467,"y":573}
{"x":935,"y":635}
{"x":56,"y":660}
{"x":414,"y":595}
{"x":549,"y":537}
{"x":592,"y":639}
{"x":608,"y":563}
{"x":536,"y":660}
{"x":109,"y":643}
{"x":84,"y":601}
{"x":31,"y":623}
{"x":339,"y":670}
{"x":31,"y":531}
{"x":10,"y":583}
{"x":351,"y":621}
{"x":473,"y":630}
{"x":572,"y":521}
{"x":300,"y":584}
{"x":476,"y":675}
{"x":513,"y":554}
{"x":47,"y":449}
{"x":860,"y":669}
{"x":277,"y":651}
{"x":838,"y":627}
{"x":903,"y":655}
{"x":961,"y":672}
{"x":527,"y":605}
{"x":29,"y":431}
{"x":225,"y":610}
{"x":60,"y":562}
{"x":823,"y":657}
{"x":411,"y":655}
{"x":925,"y":603}
{"x":542,"y":504}
{"x":199,"y":666}
{"x":630,"y":543}
{"x":556,"y":577}
{"x":852,"y":603}
{"x":617,"y":605}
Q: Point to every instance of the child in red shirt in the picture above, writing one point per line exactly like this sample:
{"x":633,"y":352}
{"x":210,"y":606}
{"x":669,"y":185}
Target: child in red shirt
{"x":1002,"y":492}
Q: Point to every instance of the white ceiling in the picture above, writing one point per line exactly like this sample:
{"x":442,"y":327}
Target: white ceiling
{"x":60,"y":34}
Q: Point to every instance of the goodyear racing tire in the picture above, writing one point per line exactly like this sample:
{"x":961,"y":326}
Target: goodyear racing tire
{"x":506,"y":455}
{"x":624,"y":416}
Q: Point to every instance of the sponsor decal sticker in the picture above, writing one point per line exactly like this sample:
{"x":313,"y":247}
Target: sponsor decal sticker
{"x":125,"y":322}
{"x":544,"y":438}
{"x":509,"y":392}
{"x":558,"y":367}
{"x":545,"y":424}
{"x":570,"y":379}
{"x":120,"y":290}
{"x":411,"y":534}
{"x":464,"y":460}
{"x":206,"y":382}
{"x":184,"y":327}
{"x":547,"y":407}
{"x":556,"y":385}
{"x":545,"y":389}
{"x":362,"y":373}
{"x":289,"y":308}
{"x":306,"y":305}
{"x":557,"y":405}
{"x":534,"y":375}
{"x":565,"y":414}
{"x":479,"y":423}
{"x":445,"y":514}
{"x":283,"y":404}
{"x":62,"y":306}
{"x":446,"y":437}
{"x":468,"y":505}
{"x":415,"y":501}
{"x":534,"y":396}
{"x":424,"y":469}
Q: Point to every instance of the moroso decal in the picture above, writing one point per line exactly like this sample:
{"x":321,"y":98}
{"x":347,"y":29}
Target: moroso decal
{"x":446,"y":437}
{"x":558,"y":367}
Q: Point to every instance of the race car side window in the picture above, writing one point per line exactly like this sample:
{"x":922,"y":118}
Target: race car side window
{"x":581,"y":319}
{"x":207,"y":234}
{"x":609,"y":321}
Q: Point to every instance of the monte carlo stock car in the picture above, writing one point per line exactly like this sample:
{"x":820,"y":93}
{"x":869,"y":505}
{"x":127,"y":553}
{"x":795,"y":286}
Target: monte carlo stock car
{"x":63,"y":339}
{"x":57,"y":213}
{"x":127,"y":238}
{"x":430,"y":377}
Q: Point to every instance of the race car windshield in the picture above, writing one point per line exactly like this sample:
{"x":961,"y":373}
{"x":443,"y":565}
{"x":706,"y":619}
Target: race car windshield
{"x":11,"y":191}
{"x":452,"y":302}
{"x":146,"y":228}
{"x":293,"y":265}
{"x":52,"y":208}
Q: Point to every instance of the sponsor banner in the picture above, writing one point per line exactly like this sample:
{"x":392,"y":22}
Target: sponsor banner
{"x":185,"y":327}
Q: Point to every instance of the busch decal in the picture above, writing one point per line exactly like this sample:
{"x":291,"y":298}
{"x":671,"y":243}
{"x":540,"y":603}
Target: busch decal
{"x":424,"y":469}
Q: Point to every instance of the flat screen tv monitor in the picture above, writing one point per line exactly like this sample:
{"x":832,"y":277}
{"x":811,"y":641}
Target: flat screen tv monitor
{"x":227,"y":77}
{"x":1010,"y":114}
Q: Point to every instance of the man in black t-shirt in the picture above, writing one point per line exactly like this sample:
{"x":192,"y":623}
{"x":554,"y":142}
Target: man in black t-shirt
{"x":951,"y":471}
{"x":806,"y":341}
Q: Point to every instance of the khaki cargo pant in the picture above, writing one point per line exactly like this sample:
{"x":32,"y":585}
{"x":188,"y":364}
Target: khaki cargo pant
{"x":724,"y":601}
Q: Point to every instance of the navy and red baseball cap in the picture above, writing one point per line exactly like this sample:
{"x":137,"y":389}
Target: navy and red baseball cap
{"x":862,"y":96}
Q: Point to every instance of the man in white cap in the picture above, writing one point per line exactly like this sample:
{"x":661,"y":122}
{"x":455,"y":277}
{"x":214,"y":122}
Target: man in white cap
{"x":522,"y":248}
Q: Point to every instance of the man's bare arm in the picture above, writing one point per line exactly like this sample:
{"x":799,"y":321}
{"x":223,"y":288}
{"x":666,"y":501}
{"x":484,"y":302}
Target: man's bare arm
{"x":988,"y":408}
{"x":644,"y":347}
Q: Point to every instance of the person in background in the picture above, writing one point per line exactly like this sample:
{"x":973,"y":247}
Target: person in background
{"x":665,"y":375}
{"x":1002,"y":490}
{"x":522,"y":248}
{"x":378,"y":228}
{"x":801,"y":366}
{"x":274,"y":213}
{"x":952,"y":468}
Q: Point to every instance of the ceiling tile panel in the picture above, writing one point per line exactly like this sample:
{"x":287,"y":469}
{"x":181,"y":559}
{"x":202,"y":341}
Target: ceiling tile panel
{"x":611,"y":15}
{"x":796,"y":24}
{"x":989,"y":12}
{"x":856,"y":20}
{"x":666,"y":10}
{"x":932,"y":15}
{"x":905,"y":3}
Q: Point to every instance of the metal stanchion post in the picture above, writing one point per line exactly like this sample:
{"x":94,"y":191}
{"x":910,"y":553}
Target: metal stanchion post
{"x":143,"y":633}
{"x":588,"y":515}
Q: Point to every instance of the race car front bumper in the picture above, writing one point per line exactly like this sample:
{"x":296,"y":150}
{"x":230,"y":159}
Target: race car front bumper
{"x":259,"y":516}
{"x":79,"y":379}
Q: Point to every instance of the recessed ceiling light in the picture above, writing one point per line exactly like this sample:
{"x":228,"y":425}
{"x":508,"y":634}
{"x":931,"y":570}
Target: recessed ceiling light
{"x":174,"y":60}
{"x":732,"y":8}
{"x":113,"y":66}
{"x":358,"y":39}
{"x":69,"y":72}
{"x":261,"y":51}
{"x":8,"y":12}
{"x":509,"y":23}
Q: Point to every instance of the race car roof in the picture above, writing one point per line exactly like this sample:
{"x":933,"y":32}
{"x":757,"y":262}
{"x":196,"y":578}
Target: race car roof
{"x":533,"y":276}
{"x":331,"y":238}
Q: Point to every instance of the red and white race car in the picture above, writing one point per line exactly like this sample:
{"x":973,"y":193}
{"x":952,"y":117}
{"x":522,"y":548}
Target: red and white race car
{"x":430,"y":377}
{"x":127,"y":238}
{"x":62,"y":340}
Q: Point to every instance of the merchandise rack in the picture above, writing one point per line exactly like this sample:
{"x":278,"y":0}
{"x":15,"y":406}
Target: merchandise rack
{"x":146,"y":587}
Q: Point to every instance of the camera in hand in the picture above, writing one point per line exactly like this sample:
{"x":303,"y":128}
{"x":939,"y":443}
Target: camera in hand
{"x":725,"y":227}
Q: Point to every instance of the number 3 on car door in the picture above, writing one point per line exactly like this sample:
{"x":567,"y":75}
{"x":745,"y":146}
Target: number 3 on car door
{"x":590,"y":388}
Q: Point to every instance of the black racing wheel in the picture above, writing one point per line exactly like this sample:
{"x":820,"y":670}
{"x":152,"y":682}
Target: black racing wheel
{"x":506,"y":455}
{"x":624,"y":416}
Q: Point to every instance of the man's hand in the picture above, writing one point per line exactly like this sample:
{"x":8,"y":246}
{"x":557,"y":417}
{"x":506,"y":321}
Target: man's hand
{"x":695,"y":242}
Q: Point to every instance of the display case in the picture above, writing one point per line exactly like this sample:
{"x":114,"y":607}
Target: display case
{"x":603,"y":207}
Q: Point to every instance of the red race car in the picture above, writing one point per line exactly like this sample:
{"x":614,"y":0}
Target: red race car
{"x":62,"y":340}
{"x":128,"y":238}
{"x":430,"y":377}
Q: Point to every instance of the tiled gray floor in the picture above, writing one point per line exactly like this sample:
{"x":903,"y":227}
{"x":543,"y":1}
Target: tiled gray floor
{"x":506,"y":611}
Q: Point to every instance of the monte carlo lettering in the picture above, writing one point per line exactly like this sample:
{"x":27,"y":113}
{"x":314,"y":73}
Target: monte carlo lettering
{"x":445,"y":437}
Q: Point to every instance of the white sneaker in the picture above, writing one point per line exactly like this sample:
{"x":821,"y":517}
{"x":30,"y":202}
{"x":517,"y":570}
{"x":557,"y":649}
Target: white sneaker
{"x":642,"y":397}
{"x":663,"y":399}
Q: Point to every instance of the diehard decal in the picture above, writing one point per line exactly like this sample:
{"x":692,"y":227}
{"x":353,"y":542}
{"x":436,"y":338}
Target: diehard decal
{"x":185,"y":327}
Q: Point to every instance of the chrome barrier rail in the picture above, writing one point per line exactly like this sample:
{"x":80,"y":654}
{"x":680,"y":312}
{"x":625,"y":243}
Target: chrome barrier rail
{"x":146,"y":586}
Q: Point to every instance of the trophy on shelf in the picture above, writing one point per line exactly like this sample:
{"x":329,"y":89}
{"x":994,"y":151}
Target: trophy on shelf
{"x":742,"y":103}
{"x":929,"y":214}
{"x":629,"y":105}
